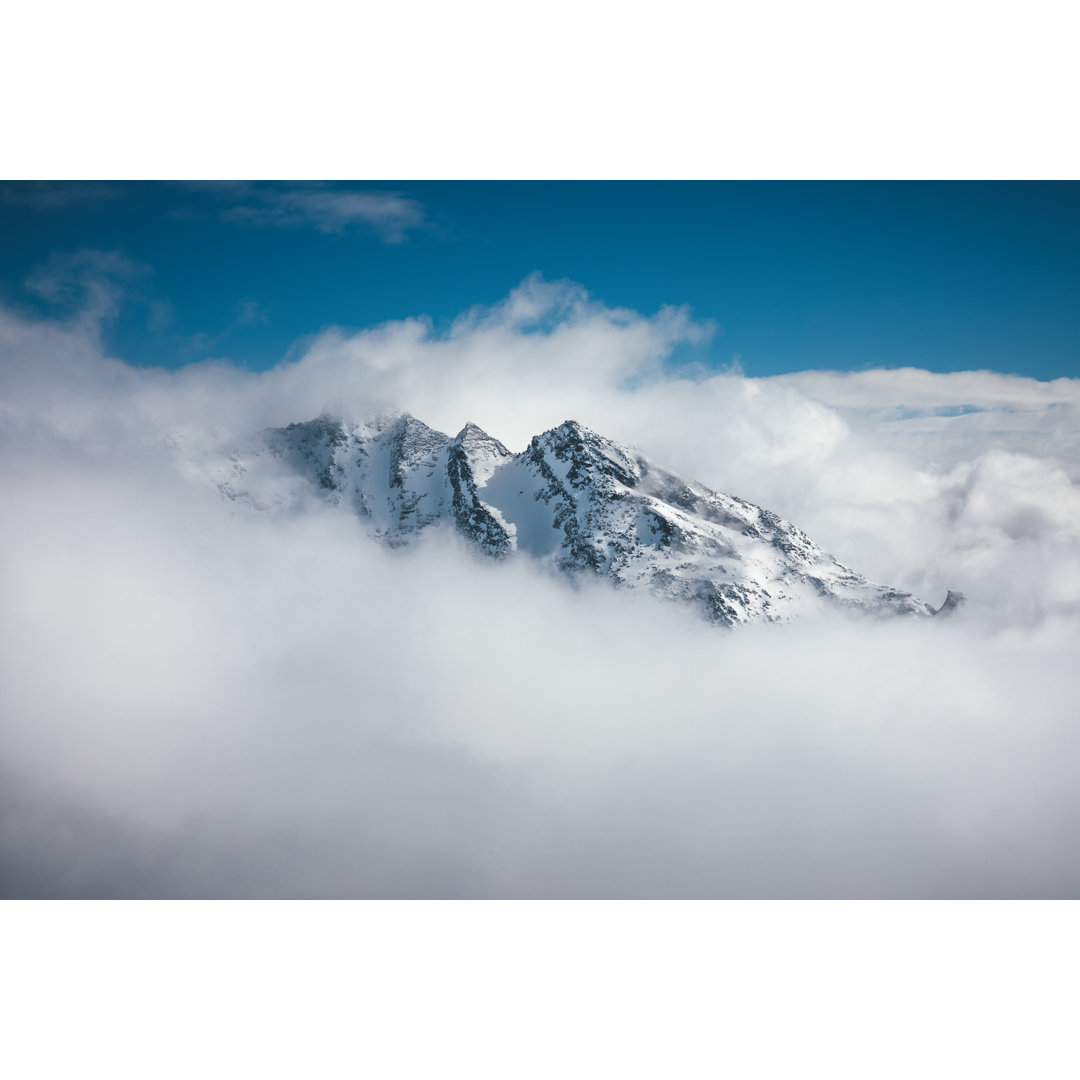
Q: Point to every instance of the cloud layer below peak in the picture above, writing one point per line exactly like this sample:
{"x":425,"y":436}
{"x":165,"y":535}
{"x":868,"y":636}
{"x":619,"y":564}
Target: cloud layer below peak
{"x":201,"y":701}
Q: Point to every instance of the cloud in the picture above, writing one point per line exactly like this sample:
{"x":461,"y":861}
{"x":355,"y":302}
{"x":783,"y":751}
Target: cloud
{"x":249,"y":312}
{"x":88,"y":284}
{"x":89,"y":288}
{"x":203,"y":700}
{"x":390,"y":215}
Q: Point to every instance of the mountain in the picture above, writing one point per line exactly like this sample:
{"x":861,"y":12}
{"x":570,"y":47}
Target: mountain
{"x":573,"y":500}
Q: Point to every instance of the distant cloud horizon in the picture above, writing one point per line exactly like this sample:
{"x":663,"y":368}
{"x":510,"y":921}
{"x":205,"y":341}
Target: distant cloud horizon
{"x":840,"y":276}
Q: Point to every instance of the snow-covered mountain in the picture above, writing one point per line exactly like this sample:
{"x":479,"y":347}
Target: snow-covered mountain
{"x":576,"y":501}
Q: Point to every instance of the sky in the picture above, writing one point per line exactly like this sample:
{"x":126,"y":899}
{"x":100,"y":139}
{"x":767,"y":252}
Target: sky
{"x":203,"y":700}
{"x":790,"y":276}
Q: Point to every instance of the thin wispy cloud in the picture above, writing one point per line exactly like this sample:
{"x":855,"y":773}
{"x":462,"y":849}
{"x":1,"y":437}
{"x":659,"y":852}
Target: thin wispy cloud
{"x":390,"y":215}
{"x":249,"y":313}
{"x":89,"y":285}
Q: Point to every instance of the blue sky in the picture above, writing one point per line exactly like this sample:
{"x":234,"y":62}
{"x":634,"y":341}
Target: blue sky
{"x":943,"y":276}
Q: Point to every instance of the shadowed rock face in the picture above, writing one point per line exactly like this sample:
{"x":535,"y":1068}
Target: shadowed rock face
{"x":581,"y":504}
{"x":952,"y":601}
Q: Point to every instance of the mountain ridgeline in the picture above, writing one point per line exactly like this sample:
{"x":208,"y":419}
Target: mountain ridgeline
{"x":580,"y":503}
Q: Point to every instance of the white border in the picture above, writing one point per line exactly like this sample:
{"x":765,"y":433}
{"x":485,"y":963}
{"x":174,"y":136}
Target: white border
{"x":540,"y":989}
{"x":569,"y":89}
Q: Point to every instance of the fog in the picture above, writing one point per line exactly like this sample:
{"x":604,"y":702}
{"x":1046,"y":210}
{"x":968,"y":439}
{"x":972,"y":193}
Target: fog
{"x":202,"y":700}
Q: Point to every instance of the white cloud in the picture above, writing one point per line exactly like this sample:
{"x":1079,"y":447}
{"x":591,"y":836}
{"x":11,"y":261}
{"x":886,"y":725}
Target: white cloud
{"x":389,"y":214}
{"x":89,"y":284}
{"x":200,"y":701}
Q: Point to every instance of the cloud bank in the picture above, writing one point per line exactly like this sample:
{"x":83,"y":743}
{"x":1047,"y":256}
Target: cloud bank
{"x":204,"y":701}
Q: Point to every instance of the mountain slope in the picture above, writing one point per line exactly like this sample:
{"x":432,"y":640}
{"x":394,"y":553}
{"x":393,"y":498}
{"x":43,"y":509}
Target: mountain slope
{"x":580,"y":503}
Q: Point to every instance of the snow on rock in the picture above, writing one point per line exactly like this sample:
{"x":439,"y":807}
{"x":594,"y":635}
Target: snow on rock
{"x":580,"y":503}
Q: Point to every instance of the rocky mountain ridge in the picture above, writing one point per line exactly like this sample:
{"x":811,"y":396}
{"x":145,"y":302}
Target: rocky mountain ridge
{"x":574,"y":500}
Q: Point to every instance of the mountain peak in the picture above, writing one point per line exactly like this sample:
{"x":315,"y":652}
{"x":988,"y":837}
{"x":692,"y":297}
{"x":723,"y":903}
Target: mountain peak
{"x":406,"y":421}
{"x":589,"y":455}
{"x":574,"y":429}
{"x":483,"y":452}
{"x":953,"y":600}
{"x":471,"y":431}
{"x":578,"y":503}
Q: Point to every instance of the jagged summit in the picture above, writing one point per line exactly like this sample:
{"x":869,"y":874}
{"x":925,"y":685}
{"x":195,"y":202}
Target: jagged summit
{"x":589,"y":455}
{"x":471,"y":431}
{"x":953,"y":600}
{"x":577,"y":502}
